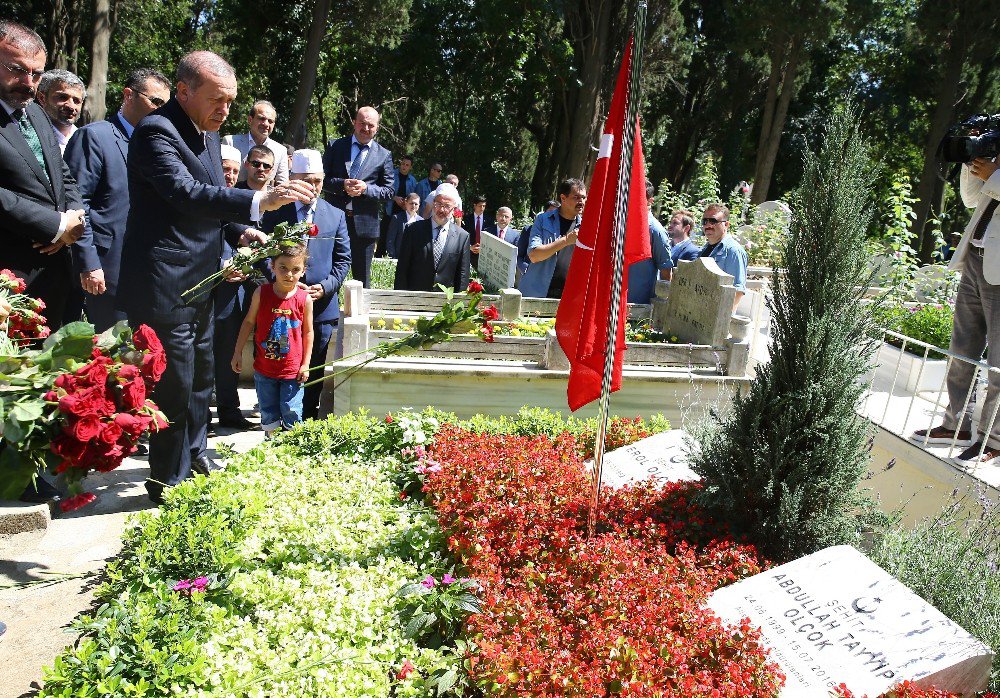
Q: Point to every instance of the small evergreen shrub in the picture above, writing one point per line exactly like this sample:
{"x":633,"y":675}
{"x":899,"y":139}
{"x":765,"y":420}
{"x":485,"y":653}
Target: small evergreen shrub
{"x":783,"y":466}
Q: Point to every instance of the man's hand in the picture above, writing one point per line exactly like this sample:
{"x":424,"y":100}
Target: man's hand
{"x":983,"y":168}
{"x":355,"y":187}
{"x":252,"y":235}
{"x":232,"y":274}
{"x":315,"y":291}
{"x":49,"y":249}
{"x":93,"y":282}
{"x":286,"y":193}
{"x":474,"y":248}
{"x":400,"y":201}
{"x":74,"y":226}
{"x":571,"y":237}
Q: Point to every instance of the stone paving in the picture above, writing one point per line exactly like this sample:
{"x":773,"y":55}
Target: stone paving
{"x":37,"y":599}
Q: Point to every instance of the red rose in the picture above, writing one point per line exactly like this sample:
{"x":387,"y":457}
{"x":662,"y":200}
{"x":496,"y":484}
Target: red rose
{"x":110,"y":434}
{"x":51,"y":396}
{"x":145,"y":339}
{"x":153,"y":366}
{"x":388,"y":419}
{"x":128,"y":372}
{"x":490,"y":313}
{"x":86,"y":427}
{"x":68,"y":448}
{"x":133,"y":424}
{"x":487,"y":332}
{"x":134,"y":394}
{"x":475,"y":287}
{"x":96,"y":372}
{"x":80,"y":500}
{"x":66,"y":381}
{"x":313,"y":230}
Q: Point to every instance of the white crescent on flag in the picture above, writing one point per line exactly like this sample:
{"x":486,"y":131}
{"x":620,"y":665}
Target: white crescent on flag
{"x":607,"y":140}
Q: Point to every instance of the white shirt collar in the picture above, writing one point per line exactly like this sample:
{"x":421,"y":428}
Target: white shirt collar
{"x":253,"y":141}
{"x":10,"y":109}
{"x":129,"y":128}
{"x":60,"y":138}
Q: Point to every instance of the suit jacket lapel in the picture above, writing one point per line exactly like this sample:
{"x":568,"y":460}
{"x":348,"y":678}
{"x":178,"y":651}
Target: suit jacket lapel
{"x":11,"y":130}
{"x":212,"y":164}
{"x":120,"y":138}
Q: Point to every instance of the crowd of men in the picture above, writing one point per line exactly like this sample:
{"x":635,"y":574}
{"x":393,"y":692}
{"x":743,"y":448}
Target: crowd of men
{"x":118,"y":218}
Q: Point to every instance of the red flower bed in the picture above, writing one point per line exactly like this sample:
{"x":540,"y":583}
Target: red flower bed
{"x":619,"y":614}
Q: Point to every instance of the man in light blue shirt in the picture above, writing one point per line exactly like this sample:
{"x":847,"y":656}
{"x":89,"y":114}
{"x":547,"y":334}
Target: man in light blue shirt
{"x":679,"y":228}
{"x":723,"y":248}
{"x":642,"y":275}
{"x":551,"y":242}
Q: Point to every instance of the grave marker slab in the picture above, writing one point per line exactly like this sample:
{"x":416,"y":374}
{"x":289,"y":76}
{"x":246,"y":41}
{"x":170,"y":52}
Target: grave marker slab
{"x":659,"y":457}
{"x":700,"y":304}
{"x":497,"y":262}
{"x":835,"y":616}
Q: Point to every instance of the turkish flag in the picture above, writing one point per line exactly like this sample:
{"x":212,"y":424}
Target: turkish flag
{"x":582,"y":318}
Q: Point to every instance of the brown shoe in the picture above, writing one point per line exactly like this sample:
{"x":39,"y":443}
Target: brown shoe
{"x":941,"y":436}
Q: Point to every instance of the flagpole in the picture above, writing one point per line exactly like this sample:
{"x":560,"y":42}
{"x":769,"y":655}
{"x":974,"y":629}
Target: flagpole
{"x":618,"y":258}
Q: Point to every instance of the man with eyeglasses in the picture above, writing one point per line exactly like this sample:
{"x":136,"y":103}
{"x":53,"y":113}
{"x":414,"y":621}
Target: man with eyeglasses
{"x":429,"y":183}
{"x":96,"y":155}
{"x":261,"y":120}
{"x":435,"y":250}
{"x":259,"y":166}
{"x":41,"y":213}
{"x":723,"y":248}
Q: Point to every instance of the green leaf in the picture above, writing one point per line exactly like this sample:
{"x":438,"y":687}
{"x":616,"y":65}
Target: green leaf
{"x":15,"y":472}
{"x":447,"y":681}
{"x":114,"y":336}
{"x":27,"y":410}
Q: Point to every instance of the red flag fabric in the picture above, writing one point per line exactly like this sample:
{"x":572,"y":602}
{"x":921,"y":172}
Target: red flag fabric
{"x":582,"y":318}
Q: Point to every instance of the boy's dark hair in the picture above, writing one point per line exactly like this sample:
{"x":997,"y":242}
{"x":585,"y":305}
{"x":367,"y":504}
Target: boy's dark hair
{"x":479,"y":199}
{"x":296,"y":250}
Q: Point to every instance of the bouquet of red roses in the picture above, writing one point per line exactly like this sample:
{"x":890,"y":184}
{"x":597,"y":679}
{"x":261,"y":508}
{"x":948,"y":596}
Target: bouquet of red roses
{"x":77,"y":404}
{"x":25,"y":321}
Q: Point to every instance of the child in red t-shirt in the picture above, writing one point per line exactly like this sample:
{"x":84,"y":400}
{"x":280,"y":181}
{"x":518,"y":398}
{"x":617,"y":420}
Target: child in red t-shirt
{"x":280,"y":317}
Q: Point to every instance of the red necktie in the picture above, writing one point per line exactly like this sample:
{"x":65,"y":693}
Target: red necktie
{"x":479,"y":224}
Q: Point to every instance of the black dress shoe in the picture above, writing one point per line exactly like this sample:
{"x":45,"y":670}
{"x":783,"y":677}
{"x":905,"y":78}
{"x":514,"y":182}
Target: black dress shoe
{"x":236,"y":422}
{"x":39,"y":492}
{"x":203,"y":465}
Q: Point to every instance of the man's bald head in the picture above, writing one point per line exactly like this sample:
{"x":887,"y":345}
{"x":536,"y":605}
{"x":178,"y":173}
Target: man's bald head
{"x":366,"y":125}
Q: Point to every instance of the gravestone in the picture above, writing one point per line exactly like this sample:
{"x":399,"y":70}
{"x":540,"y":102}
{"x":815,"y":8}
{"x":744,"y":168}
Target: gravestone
{"x":700,"y":303}
{"x":773,"y":208}
{"x":497,"y":262}
{"x":836,"y":617}
{"x":660,"y":457}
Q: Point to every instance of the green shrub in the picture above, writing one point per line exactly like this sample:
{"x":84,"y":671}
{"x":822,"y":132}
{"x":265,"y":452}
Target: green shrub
{"x":931,"y":324}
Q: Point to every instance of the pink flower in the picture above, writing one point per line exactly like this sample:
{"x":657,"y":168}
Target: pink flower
{"x":199,"y":584}
{"x":181,"y":585}
{"x":428,"y":583}
{"x":448,"y":579}
{"x":405,"y":670}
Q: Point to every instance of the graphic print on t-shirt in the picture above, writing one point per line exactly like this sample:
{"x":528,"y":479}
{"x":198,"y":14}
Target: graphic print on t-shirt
{"x":275,"y":345}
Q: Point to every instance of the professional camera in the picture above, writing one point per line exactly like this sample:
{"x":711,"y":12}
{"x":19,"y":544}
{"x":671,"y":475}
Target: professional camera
{"x":976,"y":137}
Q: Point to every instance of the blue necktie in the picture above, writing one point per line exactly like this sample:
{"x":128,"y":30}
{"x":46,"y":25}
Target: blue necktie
{"x":356,"y":163}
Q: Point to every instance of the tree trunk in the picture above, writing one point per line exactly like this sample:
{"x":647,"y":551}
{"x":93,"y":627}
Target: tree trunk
{"x":95,"y":108}
{"x":771,"y":129}
{"x":57,"y":39}
{"x":944,"y":113}
{"x":307,"y":79}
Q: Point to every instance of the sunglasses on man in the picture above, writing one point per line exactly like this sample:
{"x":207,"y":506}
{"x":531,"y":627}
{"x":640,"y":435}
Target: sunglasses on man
{"x":713,"y":221}
{"x":262,"y":165}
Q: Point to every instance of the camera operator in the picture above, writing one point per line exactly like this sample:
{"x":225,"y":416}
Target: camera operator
{"x":977,"y":318}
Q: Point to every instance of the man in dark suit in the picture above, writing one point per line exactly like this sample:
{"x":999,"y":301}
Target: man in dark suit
{"x":359,"y":177}
{"x":435,"y":250}
{"x":96,"y":156}
{"x":327,"y":264}
{"x":476,"y":222}
{"x":41,"y":213}
{"x":173,"y":240}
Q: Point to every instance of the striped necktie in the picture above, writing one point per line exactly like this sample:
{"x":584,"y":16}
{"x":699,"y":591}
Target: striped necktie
{"x":31,"y":136}
{"x":358,"y":159}
{"x":440,"y":237}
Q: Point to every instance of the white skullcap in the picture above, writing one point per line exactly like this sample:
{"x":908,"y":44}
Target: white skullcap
{"x":306,"y":161}
{"x":446,"y":189}
{"x":231,"y":153}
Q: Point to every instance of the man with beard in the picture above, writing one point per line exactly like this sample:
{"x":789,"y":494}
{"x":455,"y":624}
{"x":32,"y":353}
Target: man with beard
{"x":61,"y":94}
{"x":551,"y":243}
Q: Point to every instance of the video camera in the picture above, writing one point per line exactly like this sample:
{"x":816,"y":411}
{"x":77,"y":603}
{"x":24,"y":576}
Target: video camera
{"x":976,"y":137}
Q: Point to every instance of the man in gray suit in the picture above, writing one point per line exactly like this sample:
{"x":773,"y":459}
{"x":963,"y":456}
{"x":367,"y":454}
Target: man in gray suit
{"x":96,"y":156}
{"x":261,"y":120}
{"x":359,"y":177}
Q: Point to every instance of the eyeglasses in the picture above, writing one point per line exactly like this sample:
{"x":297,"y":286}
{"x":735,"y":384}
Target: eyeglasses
{"x":262,"y":165}
{"x":21,"y":72}
{"x":713,"y":221}
{"x":155,"y":101}
{"x":436,"y":169}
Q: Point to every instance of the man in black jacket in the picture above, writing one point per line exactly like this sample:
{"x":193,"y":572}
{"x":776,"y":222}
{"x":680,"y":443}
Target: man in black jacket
{"x":435,"y":250}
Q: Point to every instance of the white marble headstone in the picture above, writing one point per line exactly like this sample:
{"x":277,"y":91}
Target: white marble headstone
{"x":659,"y":457}
{"x":700,"y":304}
{"x":836,"y":617}
{"x":774,"y":208}
{"x":497,"y":262}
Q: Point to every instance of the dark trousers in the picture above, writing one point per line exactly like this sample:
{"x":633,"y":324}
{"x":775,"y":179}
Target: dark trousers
{"x":52,"y":284}
{"x":322,"y":333}
{"x":227,"y":397}
{"x":101,"y":310}
{"x":362,"y":251}
{"x":383,"y":236}
{"x":182,"y":394}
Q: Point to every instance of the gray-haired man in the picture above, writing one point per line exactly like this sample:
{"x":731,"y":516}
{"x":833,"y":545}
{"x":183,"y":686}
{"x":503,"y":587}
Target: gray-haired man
{"x":61,"y":94}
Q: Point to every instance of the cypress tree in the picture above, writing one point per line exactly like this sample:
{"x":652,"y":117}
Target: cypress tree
{"x":783,"y":465}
